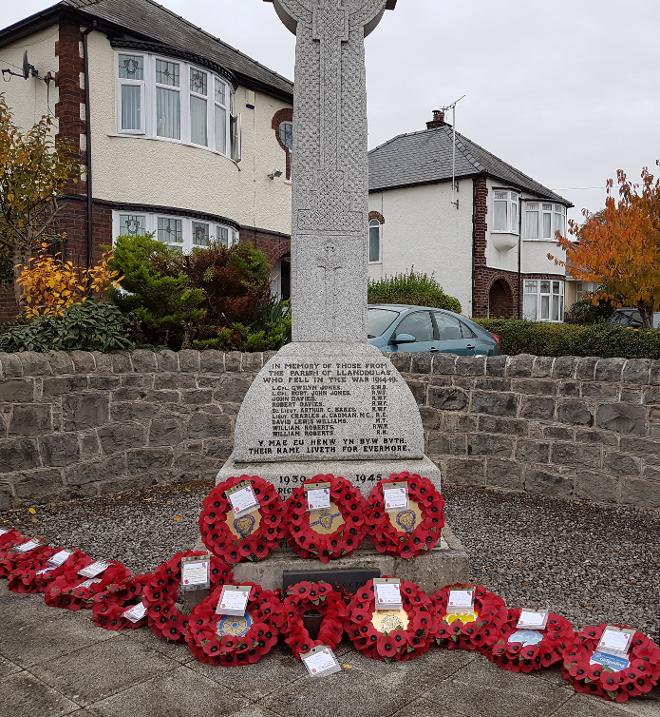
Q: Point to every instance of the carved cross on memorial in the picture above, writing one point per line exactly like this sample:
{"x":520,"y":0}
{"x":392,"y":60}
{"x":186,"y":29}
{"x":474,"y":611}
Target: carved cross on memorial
{"x":330,"y":198}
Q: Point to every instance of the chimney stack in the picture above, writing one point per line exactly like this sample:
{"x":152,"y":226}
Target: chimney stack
{"x":438,"y":119}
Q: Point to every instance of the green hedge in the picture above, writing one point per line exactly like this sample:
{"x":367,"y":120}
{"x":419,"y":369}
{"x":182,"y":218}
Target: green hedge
{"x":415,"y":288}
{"x":541,"y":339}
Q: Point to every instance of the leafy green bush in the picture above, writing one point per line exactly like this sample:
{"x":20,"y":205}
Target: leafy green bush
{"x":585,"y":312}
{"x":542,"y":339}
{"x":157,"y":291}
{"x":90,"y":326}
{"x":414,"y":288}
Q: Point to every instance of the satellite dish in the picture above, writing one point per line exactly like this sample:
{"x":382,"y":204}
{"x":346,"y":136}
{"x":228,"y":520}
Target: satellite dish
{"x":28,"y":69}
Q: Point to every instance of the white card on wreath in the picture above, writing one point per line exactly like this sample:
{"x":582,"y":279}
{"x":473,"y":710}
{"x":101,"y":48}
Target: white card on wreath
{"x":59,"y":558}
{"x":460,"y":600}
{"x":320,"y":661}
{"x":318,"y":498}
{"x":233,"y":600}
{"x":96,"y":568}
{"x":3,"y":531}
{"x":45,"y":570}
{"x":26,"y":547}
{"x":195,"y":574}
{"x":615,"y":641}
{"x":396,"y":497}
{"x":135,"y":613}
{"x":242,"y":499}
{"x":532,"y":620}
{"x":387,"y":594}
{"x":89,"y":583}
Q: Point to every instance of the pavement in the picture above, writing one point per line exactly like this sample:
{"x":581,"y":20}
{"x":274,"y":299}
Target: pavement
{"x":54,"y":663}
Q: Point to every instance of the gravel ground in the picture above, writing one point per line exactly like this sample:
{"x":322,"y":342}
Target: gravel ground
{"x":590,"y":563}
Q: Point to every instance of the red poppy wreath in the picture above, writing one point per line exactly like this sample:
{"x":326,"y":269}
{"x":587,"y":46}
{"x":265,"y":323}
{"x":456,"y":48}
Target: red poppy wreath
{"x":113,"y":608}
{"x":13,"y":557}
{"x":8,"y":538}
{"x":331,"y":532}
{"x":34,"y":576}
{"x":231,"y":641}
{"x":74,"y":591}
{"x":307,"y":597}
{"x":519,"y":650}
{"x":588,"y":675}
{"x":411,"y":529}
{"x":471,"y":629}
{"x":251,"y":536}
{"x":161,"y":595}
{"x":388,"y":634}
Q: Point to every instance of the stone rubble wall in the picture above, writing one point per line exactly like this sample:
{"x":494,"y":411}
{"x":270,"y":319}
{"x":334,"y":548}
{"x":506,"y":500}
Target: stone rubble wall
{"x":89,"y":424}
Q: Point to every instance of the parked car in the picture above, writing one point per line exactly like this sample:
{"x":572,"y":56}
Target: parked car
{"x":630,"y":316}
{"x":397,"y":327}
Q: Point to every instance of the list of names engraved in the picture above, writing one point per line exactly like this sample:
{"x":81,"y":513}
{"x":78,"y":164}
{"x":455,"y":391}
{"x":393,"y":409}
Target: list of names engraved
{"x":329,"y":408}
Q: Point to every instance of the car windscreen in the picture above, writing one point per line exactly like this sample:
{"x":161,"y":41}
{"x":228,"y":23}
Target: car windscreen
{"x":379,"y":320}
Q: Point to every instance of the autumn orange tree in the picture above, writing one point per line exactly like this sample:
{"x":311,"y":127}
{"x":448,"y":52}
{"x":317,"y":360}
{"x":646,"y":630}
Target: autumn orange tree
{"x":34,"y":172}
{"x":618,"y":248}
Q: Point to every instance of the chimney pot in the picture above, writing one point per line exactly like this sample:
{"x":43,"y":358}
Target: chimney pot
{"x":438,"y":119}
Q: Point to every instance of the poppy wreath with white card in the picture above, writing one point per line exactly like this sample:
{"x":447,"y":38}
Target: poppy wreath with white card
{"x":304,"y":597}
{"x":12,"y":558}
{"x":582,"y":668}
{"x":8,"y":539}
{"x":331,"y":532}
{"x":234,"y":640}
{"x":35,"y":575}
{"x":73,"y":591}
{"x":112,"y":605}
{"x":391,"y":635}
{"x":412,"y":528}
{"x":522,"y":649}
{"x":475,"y":628}
{"x":162,"y":593}
{"x":247,"y":536}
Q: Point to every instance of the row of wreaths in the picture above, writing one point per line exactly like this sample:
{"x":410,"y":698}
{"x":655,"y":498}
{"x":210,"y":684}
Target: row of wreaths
{"x":272,"y":615}
{"x":415,"y":533}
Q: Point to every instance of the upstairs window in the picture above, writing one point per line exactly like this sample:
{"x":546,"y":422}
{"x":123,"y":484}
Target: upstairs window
{"x":505,"y":211}
{"x":168,"y":99}
{"x":544,"y":219}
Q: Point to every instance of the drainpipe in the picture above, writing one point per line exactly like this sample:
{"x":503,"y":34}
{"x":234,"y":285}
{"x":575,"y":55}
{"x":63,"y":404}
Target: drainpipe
{"x":520,"y":287}
{"x":89,"y":239}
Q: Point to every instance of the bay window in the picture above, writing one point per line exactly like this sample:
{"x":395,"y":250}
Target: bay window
{"x":183,"y":233}
{"x":543,"y":300}
{"x":169,"y":99}
{"x":505,"y":211}
{"x":544,"y":219}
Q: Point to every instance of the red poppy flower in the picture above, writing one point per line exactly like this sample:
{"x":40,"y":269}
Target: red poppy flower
{"x":110,"y":606}
{"x":347,"y":537}
{"x":257,"y":542}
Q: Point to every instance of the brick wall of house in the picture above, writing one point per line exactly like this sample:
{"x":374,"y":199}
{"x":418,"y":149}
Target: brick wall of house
{"x":274,"y":246}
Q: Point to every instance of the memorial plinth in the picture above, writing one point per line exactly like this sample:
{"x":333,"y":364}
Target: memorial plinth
{"x":329,"y":402}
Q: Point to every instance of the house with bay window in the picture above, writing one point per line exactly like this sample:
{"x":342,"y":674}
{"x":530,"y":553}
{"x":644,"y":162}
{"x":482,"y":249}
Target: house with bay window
{"x":178,"y":133}
{"x":441,"y":204}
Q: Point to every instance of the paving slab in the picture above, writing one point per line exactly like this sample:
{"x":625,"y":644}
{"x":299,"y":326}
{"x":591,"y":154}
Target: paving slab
{"x":274,"y":671}
{"x":23,"y":695}
{"x":33,"y":632}
{"x":178,"y":693}
{"x":583,"y":706}
{"x":483,"y":690}
{"x":7,"y":667}
{"x":96,"y":672}
{"x":174,"y":650}
{"x":424,"y":708}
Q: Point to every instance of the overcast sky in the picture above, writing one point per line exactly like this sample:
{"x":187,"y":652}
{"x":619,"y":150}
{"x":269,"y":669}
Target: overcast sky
{"x":567,"y":91}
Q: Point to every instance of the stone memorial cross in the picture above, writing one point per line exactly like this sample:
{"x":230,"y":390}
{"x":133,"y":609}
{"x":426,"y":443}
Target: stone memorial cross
{"x":330,"y":202}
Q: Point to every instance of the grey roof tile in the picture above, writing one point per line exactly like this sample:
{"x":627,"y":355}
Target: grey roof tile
{"x":150,"y":20}
{"x":426,"y":156}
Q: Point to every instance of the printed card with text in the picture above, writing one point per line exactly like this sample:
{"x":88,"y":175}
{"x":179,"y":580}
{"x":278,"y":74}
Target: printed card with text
{"x":532,"y":620}
{"x":59,"y":558}
{"x":91,"y":571}
{"x":26,"y":547}
{"x":387,"y":593}
{"x":195,"y":573}
{"x":615,"y":641}
{"x":318,"y":496}
{"x":396,"y":496}
{"x":233,"y":600}
{"x":3,"y":531}
{"x":242,"y":499}
{"x":320,"y":662}
{"x":460,"y":600}
{"x":135,"y":613}
{"x":90,"y":582}
{"x":527,"y":638}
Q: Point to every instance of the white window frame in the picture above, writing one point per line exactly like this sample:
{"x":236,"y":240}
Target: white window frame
{"x":375,"y":223}
{"x":554,"y":210}
{"x":532,"y":287}
{"x":149,"y":108}
{"x":510,"y":198}
{"x":132,"y":83}
{"x":151,"y":227}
